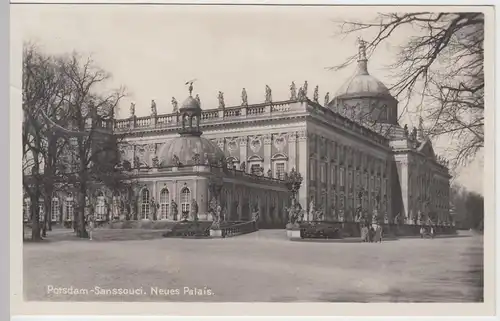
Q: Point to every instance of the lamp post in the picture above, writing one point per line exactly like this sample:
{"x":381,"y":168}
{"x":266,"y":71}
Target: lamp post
{"x":293,"y":181}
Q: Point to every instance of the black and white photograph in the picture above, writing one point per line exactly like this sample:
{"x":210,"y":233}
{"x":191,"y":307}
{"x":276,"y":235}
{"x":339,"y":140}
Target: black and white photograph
{"x":248,"y":153}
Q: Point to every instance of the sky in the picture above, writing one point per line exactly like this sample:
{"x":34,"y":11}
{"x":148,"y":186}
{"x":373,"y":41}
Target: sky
{"x":154,"y":50}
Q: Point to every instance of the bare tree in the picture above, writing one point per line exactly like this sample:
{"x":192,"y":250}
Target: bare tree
{"x":441,"y":65}
{"x":67,"y":130}
{"x":91,"y":112}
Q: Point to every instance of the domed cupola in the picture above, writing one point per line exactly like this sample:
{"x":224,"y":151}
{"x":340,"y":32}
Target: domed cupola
{"x":364,"y":96}
{"x":191,"y":148}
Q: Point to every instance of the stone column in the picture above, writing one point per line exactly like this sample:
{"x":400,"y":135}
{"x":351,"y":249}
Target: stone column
{"x":303,"y":167}
{"x":267,"y":153}
{"x":243,"y":151}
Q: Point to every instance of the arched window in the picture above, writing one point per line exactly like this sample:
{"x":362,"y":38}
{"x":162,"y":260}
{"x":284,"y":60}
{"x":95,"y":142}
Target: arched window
{"x":100,"y":207}
{"x":164,"y":203}
{"x":69,"y":207}
{"x":26,"y":209}
{"x":55,"y":210}
{"x":185,"y":199}
{"x":145,"y":204}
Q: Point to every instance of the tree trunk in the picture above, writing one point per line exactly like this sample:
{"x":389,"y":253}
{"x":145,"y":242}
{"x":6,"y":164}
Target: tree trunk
{"x":81,"y":230}
{"x":47,"y":213}
{"x":35,"y":217}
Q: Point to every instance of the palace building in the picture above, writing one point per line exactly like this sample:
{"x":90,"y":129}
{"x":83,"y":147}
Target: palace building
{"x":350,"y":150}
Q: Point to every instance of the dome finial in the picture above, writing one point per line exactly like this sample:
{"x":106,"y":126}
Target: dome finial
{"x":190,"y":88}
{"x":362,"y":60}
{"x":362,"y":49}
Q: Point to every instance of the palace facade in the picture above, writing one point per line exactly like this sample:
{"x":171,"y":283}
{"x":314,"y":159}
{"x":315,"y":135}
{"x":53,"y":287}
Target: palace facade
{"x":350,"y":151}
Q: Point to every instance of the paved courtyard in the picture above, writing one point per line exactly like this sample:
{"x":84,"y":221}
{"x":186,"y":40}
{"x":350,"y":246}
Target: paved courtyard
{"x":262,"y":266}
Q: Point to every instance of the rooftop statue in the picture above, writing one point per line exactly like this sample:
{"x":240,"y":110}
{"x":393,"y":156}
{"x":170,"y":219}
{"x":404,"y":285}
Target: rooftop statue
{"x":413,"y":134}
{"x":302,"y":95}
{"x":327,"y":98}
{"x":316,"y":94}
{"x":222,"y":105}
{"x":132,"y":109}
{"x":153,"y":107}
{"x":304,"y":88}
{"x":293,"y":91}
{"x":244,"y":97}
{"x":175,"y":105}
{"x":269,"y":97}
{"x":190,"y":88}
{"x":198,"y":99}
{"x":405,"y":131}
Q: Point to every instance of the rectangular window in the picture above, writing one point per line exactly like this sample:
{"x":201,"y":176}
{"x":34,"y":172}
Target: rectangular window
{"x":255,"y":169}
{"x":350,"y":180}
{"x":323,"y":173}
{"x":333,"y":177}
{"x":69,"y":210}
{"x":100,"y":209}
{"x":55,"y":211}
{"x":342,"y":177}
{"x":280,"y":170}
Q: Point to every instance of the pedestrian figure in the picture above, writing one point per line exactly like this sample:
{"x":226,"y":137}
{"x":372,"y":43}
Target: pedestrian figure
{"x":378,"y":234}
{"x":372,"y":234}
{"x":364,"y":234}
{"x":91,"y":225}
{"x":422,"y":231}
{"x":432,"y":232}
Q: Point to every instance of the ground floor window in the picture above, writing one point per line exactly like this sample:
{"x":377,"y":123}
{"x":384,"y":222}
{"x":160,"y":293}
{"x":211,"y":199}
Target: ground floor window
{"x":55,"y":210}
{"x":164,"y":203}
{"x":145,"y":206}
{"x":280,"y":170}
{"x":116,"y":206}
{"x":255,"y":169}
{"x":185,"y":199}
{"x":100,"y":208}
{"x":69,"y":209}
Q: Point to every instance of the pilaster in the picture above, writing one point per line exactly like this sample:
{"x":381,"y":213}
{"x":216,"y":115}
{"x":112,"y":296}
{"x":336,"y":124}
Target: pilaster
{"x":303,"y":163}
{"x":267,"y":152}
{"x":243,"y":151}
{"x":292,"y":151}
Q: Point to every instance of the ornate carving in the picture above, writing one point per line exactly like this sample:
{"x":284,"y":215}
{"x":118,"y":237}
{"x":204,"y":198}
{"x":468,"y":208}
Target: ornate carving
{"x":255,"y":144}
{"x":176,"y":161}
{"x":292,"y":137}
{"x":243,"y":141}
{"x":302,"y":96}
{"x":280,"y":142}
{"x":304,"y":88}
{"x":267,"y":139}
{"x":156,"y":162}
{"x":196,"y":159}
{"x":220,"y":143}
{"x":232,"y":145}
{"x":302,"y":135}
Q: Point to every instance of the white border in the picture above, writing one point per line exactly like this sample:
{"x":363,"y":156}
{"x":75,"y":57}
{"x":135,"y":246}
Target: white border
{"x":284,"y":308}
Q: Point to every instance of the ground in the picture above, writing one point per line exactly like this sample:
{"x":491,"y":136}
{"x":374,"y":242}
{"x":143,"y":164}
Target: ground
{"x":262,"y":266}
